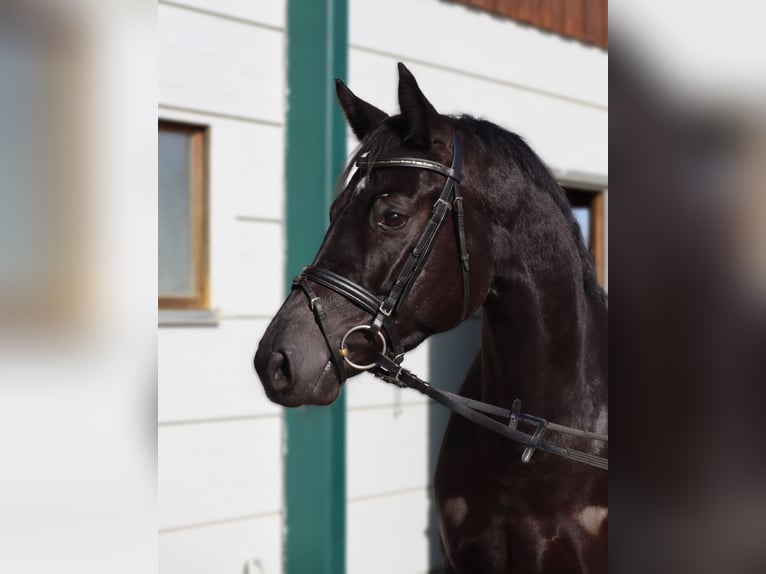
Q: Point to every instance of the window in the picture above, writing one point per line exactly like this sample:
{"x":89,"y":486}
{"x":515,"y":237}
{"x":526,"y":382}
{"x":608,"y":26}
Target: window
{"x":588,"y":209}
{"x":584,"y":20}
{"x":182,"y":210}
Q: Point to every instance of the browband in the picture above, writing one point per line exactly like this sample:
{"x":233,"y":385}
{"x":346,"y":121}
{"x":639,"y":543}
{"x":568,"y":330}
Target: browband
{"x":451,"y":172}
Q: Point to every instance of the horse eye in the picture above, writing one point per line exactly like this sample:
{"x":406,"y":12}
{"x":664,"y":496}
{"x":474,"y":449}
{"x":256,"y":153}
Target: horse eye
{"x":393,"y":219}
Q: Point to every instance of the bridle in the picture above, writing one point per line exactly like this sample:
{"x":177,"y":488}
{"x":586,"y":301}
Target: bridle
{"x":384,"y":311}
{"x":387,"y":362}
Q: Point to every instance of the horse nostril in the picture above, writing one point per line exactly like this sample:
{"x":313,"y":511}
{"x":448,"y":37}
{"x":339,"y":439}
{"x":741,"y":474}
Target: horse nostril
{"x":278,"y":370}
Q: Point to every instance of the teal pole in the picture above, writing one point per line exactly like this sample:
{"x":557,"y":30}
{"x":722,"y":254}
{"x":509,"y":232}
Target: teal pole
{"x":315,"y":459}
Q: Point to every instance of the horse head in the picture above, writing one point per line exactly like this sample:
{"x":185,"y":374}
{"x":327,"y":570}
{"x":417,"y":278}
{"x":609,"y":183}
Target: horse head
{"x":376,"y":222}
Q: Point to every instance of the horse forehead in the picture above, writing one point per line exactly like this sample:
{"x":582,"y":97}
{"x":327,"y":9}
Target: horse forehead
{"x":393,"y":178}
{"x":370,"y":183}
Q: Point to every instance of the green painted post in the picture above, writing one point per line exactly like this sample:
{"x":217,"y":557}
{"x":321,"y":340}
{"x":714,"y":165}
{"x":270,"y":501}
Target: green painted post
{"x":315,"y":461}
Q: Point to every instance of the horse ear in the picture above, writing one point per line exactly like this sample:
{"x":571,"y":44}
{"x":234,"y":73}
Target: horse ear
{"x":423,"y":121}
{"x":361,"y":116}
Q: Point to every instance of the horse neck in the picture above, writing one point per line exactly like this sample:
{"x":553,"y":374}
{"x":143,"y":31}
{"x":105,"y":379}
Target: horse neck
{"x":538,"y":323}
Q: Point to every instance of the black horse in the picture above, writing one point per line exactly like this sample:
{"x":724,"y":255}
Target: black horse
{"x":544,"y":323}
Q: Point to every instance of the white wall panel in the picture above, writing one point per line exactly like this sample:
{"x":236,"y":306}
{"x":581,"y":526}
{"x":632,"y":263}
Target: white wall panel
{"x":368,"y":391}
{"x":392,"y":534}
{"x":270,"y":13}
{"x":222,"y":470}
{"x":223,"y":548}
{"x":218,"y":65}
{"x":208,"y":372}
{"x":476,"y":43}
{"x":565,"y":134}
{"x":387,"y":450}
{"x":258,"y":266}
{"x":221,"y":64}
{"x":253,"y":163}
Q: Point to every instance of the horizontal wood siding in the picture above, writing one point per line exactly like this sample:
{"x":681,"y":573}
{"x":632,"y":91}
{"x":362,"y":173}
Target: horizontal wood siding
{"x":221,"y":491}
{"x":498,"y":50}
{"x":207,"y":374}
{"x":584,"y":20}
{"x":265,"y":14}
{"x":209,"y":63}
{"x":552,"y":125}
{"x":393,"y":534}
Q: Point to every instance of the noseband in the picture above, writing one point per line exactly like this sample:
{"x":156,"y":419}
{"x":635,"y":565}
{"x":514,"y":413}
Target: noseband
{"x":384,"y":310}
{"x":387,"y":362}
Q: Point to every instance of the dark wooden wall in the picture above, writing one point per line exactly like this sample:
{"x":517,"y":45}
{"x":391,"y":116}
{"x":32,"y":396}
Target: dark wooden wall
{"x":584,"y":20}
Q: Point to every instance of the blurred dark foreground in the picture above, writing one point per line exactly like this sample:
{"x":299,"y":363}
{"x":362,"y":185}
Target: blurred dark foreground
{"x":78,"y":260}
{"x":687,"y":300}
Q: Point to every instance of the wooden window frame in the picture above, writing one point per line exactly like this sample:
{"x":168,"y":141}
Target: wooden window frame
{"x":594,"y":201}
{"x":200,"y":221}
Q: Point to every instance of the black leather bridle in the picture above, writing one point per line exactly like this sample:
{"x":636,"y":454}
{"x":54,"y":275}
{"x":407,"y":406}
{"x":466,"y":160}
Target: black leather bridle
{"x":384,"y":310}
{"x":388,"y":359}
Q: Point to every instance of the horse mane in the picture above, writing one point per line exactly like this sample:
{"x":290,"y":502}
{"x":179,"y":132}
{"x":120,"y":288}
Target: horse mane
{"x":503,"y":144}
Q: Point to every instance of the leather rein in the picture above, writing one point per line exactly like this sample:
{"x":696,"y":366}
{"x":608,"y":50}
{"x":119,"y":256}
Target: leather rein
{"x":386,"y":365}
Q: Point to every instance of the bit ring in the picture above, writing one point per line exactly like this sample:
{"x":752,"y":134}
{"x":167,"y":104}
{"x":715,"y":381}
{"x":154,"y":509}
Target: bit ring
{"x":344,"y":350}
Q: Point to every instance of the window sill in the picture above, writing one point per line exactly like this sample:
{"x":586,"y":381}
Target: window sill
{"x":188,"y":317}
{"x":581,"y":179}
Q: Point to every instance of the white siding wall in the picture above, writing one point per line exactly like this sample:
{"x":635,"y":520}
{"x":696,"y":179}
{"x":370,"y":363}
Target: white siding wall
{"x":551,"y":91}
{"x":221,"y":64}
